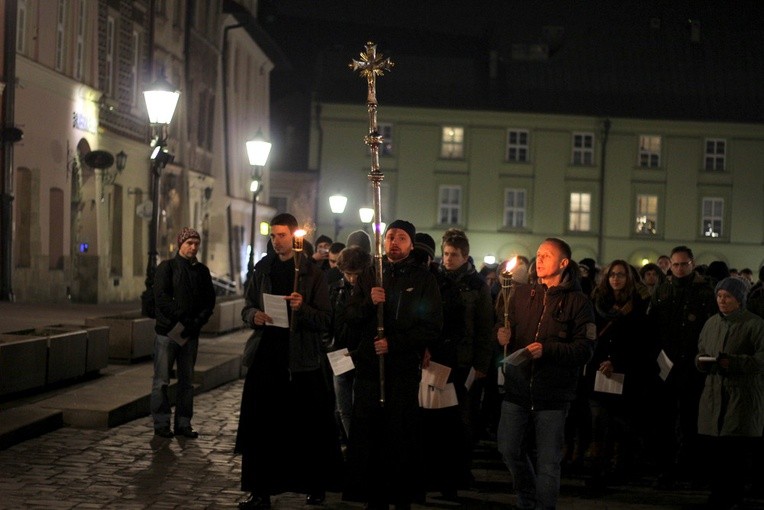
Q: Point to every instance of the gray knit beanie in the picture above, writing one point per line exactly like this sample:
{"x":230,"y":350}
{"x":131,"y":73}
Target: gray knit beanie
{"x":361,"y":239}
{"x":735,"y":286}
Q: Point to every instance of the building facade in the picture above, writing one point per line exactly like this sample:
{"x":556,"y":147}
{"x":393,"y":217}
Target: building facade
{"x":612,"y":187}
{"x":81,"y":175}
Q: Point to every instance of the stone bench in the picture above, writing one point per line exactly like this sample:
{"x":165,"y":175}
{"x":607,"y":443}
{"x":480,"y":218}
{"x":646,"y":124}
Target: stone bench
{"x":66,"y":351}
{"x":131,"y":336}
{"x":23,"y":362}
{"x":97,"y":353}
{"x":226,"y":316}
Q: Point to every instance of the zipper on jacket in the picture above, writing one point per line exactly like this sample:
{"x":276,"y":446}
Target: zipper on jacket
{"x":536,"y":339}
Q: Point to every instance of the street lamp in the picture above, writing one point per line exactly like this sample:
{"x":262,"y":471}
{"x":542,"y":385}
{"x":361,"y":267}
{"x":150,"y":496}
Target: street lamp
{"x":161,"y":99}
{"x":257,"y":151}
{"x":337,"y":203}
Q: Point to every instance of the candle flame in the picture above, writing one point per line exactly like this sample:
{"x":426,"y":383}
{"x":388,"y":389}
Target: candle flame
{"x":510,"y":265}
{"x":297,"y":241}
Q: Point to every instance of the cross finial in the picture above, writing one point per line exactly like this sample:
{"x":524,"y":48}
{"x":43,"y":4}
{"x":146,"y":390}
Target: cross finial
{"x":371,"y":65}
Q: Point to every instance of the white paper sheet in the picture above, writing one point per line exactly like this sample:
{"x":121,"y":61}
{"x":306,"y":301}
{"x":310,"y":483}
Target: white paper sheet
{"x":517,"y":357}
{"x":433,"y":398}
{"x":612,"y":384}
{"x":340,"y":361}
{"x":470,"y":379}
{"x":436,"y":375}
{"x":665,"y":364}
{"x":174,"y":334}
{"x":276,"y":308}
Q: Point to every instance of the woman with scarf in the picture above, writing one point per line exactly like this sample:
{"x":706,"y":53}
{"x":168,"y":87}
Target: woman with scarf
{"x":624,"y":353}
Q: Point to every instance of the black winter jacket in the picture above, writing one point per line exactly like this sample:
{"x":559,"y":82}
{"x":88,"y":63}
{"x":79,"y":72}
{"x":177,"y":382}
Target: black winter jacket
{"x":412,"y":320}
{"x":561,"y":318}
{"x":467,"y":339}
{"x":183,"y":293}
{"x":311,"y":320}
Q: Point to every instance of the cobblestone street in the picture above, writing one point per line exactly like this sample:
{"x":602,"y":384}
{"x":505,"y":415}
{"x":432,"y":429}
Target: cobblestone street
{"x":126,"y":467}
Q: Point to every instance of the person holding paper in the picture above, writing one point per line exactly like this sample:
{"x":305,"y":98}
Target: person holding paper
{"x":351,"y":262}
{"x":731,"y":410}
{"x":384,"y":450}
{"x":552,"y":323}
{"x":286,"y":434}
{"x":624,"y":353}
{"x":678,"y":309}
{"x":184,"y":298}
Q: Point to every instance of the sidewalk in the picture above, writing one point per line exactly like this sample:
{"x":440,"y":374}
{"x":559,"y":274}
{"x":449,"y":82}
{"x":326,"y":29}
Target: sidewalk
{"x":117,"y":394}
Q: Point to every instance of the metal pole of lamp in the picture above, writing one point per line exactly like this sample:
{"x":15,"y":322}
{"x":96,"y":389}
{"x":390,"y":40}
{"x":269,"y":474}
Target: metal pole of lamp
{"x":161,"y":100}
{"x":258,"y":151}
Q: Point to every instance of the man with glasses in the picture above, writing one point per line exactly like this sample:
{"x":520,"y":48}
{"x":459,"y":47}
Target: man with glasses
{"x":679,"y":308}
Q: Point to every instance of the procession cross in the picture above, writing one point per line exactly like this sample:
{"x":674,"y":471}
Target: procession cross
{"x":370,"y":66}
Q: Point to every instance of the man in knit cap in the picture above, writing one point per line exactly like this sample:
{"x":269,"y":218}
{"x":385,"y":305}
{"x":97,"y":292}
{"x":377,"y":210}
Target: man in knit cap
{"x":384,"y":450}
{"x":185,"y":299}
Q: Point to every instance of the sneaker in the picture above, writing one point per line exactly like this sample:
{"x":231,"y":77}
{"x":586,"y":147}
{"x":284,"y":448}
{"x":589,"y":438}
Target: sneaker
{"x":254,"y":502}
{"x":164,"y":432}
{"x":186,"y":431}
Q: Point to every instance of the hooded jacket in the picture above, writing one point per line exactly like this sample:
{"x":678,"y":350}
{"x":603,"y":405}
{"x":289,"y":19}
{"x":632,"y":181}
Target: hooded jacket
{"x":561,"y":318}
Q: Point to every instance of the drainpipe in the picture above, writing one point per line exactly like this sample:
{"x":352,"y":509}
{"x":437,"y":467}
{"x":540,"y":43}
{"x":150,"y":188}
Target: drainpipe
{"x":601,"y":235}
{"x":6,"y":185}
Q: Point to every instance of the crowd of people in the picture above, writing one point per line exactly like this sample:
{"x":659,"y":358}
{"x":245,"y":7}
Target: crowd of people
{"x":608,"y":371}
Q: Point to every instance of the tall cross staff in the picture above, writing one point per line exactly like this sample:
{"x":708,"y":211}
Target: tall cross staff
{"x":370,"y":66}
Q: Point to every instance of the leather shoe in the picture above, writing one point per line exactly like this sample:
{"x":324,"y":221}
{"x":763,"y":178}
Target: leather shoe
{"x":315,"y":498}
{"x":164,"y":432}
{"x":254,"y":502}
{"x":186,"y":431}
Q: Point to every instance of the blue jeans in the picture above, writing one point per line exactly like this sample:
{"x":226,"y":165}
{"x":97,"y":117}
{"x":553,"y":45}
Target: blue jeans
{"x":166,"y":353}
{"x":537,"y":485}
{"x":343,"y":393}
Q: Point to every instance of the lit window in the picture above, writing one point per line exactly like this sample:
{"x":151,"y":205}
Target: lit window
{"x":450,"y":205}
{"x":514,"y":208}
{"x":452,"y":143}
{"x":716,"y":154}
{"x":713,"y":217}
{"x":517,"y":146}
{"x":649,"y":151}
{"x":583,"y":149}
{"x":647,"y":214}
{"x":580,"y":216}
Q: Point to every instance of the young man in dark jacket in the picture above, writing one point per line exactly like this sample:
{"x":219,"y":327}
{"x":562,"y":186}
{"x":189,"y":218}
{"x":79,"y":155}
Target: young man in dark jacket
{"x":551,"y":336}
{"x":384,"y":450}
{"x":286,"y":433}
{"x":185,"y":299}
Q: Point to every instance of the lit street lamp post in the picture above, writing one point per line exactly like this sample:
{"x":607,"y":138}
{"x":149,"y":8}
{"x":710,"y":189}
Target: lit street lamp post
{"x":161,"y":99}
{"x":337,"y":203}
{"x":257,"y":151}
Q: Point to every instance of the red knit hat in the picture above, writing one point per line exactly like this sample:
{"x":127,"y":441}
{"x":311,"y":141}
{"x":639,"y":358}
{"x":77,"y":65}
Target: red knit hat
{"x":187,"y":233}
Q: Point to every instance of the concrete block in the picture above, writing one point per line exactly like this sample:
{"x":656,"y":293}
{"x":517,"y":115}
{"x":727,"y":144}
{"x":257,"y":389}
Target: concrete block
{"x":97,"y":356}
{"x":131,"y":336}
{"x":67,"y":353}
{"x":23,"y":362}
{"x":26,"y":422}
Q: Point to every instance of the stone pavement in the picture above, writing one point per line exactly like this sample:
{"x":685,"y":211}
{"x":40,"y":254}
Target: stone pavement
{"x":126,"y":467}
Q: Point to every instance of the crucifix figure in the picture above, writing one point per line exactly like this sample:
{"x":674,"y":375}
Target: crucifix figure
{"x":372,"y":65}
